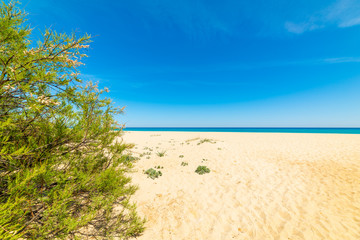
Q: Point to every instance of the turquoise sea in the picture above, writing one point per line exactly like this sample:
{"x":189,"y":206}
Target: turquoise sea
{"x":258,"y":130}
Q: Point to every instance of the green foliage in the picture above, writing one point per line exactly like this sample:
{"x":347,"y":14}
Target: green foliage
{"x":60,"y":170}
{"x":158,"y":167}
{"x":152,"y":173}
{"x":202,"y":170}
{"x":181,"y":156}
{"x":161,"y":154}
{"x":184,"y":164}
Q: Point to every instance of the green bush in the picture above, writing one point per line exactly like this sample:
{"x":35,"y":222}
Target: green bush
{"x":184,"y":164}
{"x":60,"y":168}
{"x":202,"y":170}
{"x":152,"y":173}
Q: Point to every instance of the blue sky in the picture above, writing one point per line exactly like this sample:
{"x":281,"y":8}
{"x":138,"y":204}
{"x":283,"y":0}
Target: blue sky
{"x":226,"y":63}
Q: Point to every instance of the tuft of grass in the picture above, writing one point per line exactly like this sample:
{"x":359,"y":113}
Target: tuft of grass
{"x":202,"y":170}
{"x":181,"y":156}
{"x":205,"y":140}
{"x":152,"y":173}
{"x":184,"y":164}
{"x":161,"y":154}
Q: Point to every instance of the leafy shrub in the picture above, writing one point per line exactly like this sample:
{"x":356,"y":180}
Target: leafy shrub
{"x":202,"y":170}
{"x":61,"y":170}
{"x":184,"y":164}
{"x":181,"y":156}
{"x":152,"y":173}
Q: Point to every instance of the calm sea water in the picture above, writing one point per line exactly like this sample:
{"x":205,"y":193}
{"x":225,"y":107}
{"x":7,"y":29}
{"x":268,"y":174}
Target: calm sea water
{"x":259,"y":130}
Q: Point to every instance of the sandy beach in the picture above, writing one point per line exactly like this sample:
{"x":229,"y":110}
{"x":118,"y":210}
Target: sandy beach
{"x":261,"y":185}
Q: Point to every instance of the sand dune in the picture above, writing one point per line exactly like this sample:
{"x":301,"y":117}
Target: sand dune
{"x":261,"y":185}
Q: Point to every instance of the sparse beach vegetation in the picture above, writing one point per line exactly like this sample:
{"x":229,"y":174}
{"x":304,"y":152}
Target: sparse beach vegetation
{"x":205,"y":140}
{"x":152,"y":173}
{"x":202,"y":170}
{"x":161,"y":153}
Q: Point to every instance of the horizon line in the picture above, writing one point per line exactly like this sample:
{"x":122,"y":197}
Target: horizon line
{"x":257,"y":127}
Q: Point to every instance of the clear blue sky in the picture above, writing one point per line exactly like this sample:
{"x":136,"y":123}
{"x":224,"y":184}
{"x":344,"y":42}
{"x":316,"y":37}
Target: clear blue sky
{"x":258,"y":63}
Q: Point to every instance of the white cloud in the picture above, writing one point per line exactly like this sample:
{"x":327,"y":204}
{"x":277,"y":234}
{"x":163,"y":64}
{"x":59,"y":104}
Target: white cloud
{"x":299,"y":28}
{"x":342,"y":60}
{"x":350,"y":22}
{"x":342,"y":13}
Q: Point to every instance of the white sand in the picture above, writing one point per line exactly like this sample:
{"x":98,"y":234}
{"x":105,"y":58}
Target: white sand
{"x":261,"y":186}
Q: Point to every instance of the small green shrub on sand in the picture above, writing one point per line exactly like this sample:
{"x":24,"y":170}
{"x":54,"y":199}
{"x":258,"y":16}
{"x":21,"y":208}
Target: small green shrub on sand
{"x":161,"y":154}
{"x":202,"y":170}
{"x":152,"y":173}
{"x":159,"y":167}
{"x":181,"y":156}
{"x":184,"y":164}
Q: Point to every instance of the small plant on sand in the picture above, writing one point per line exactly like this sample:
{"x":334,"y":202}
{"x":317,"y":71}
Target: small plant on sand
{"x":219,"y":148}
{"x":159,"y":167}
{"x":152,"y":173}
{"x":202,"y":170}
{"x":205,"y":140}
{"x":204,"y":160}
{"x":161,"y":154}
{"x":145,"y":153}
{"x":184,"y":164}
{"x":181,"y":156}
